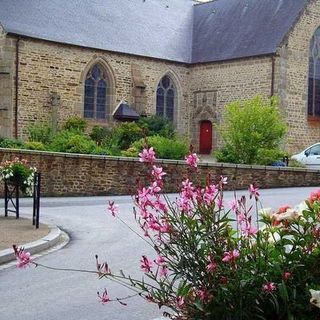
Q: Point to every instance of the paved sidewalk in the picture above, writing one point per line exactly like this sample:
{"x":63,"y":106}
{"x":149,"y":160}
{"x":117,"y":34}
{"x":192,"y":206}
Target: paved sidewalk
{"x":19,"y":231}
{"x":22,"y":233}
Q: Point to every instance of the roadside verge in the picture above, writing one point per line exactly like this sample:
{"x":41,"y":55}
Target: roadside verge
{"x":34,"y":247}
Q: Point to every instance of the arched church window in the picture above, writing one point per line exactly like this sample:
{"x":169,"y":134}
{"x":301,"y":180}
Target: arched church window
{"x":314,"y":76}
{"x":166,"y":98}
{"x":96,"y":94}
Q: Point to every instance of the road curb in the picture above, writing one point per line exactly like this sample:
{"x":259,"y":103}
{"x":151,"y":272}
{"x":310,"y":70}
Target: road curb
{"x":34,"y":247}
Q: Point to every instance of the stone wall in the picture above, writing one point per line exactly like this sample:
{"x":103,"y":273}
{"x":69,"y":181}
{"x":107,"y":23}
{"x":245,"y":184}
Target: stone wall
{"x":86,"y":175}
{"x":293,"y":81}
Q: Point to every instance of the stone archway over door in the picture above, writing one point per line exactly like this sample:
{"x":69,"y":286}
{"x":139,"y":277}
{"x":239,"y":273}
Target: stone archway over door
{"x":205,"y":137}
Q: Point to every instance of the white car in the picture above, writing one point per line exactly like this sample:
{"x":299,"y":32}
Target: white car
{"x":310,"y":157}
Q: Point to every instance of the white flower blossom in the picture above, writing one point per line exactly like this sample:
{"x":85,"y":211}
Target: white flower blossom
{"x":315,"y":297}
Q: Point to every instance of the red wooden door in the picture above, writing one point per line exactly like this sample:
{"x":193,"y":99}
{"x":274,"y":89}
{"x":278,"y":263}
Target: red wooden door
{"x":205,"y":137}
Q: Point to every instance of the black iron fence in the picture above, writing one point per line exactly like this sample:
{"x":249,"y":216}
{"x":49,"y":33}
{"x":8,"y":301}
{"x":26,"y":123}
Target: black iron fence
{"x":12,"y":197}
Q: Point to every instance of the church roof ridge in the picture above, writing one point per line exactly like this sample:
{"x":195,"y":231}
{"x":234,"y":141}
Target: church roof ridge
{"x":178,"y":30}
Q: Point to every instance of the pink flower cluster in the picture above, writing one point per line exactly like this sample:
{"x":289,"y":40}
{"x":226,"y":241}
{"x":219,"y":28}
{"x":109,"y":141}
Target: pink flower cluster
{"x":244,"y":219}
{"x":207,"y":196}
{"x":147,"y":155}
{"x":113,"y":208}
{"x":230,"y":256}
{"x":269,"y":287}
{"x":192,"y":160}
{"x":23,"y":257}
{"x":104,"y":297}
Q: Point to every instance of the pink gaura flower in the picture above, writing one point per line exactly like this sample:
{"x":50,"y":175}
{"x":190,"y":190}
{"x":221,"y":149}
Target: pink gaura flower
{"x":192,"y":160}
{"x":233,"y":204}
{"x":219,"y":203}
{"x":160,"y":205}
{"x":185,"y":205}
{"x":269,"y":287}
{"x":212,"y":265}
{"x":254,"y":192}
{"x":223,"y":180}
{"x":146,"y":264}
{"x":22,"y":256}
{"x":203,"y":294}
{"x":163,"y":271}
{"x":104,"y":298}
{"x":209,"y":194}
{"x":165,"y":227}
{"x":160,"y":260}
{"x":230,"y":256}
{"x":286,"y":275}
{"x":180,"y":302}
{"x":147,"y":155}
{"x":143,"y":197}
{"x":154,"y":188}
{"x":250,"y":230}
{"x":113,"y":208}
{"x":187,"y":189}
{"x":157,"y":172}
{"x":144,"y":213}
{"x":154,"y":224}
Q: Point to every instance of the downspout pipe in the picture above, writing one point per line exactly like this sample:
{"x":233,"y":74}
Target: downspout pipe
{"x":16,"y":135}
{"x":273,"y":62}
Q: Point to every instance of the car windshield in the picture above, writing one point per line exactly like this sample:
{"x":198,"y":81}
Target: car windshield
{"x":313,"y":151}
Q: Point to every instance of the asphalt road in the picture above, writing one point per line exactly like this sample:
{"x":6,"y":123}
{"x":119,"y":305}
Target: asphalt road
{"x":41,"y":294}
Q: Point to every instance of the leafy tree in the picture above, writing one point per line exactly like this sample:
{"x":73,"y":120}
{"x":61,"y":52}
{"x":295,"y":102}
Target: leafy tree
{"x":252,"y":131}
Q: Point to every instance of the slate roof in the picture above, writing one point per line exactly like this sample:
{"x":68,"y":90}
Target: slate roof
{"x":229,"y":29}
{"x":173,"y":30}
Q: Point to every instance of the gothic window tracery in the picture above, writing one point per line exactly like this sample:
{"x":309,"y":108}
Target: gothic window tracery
{"x":96,"y":96}
{"x":166,"y":98}
{"x":314,"y":76}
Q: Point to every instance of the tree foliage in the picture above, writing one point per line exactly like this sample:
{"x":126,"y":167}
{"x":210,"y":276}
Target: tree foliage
{"x":252,"y":132}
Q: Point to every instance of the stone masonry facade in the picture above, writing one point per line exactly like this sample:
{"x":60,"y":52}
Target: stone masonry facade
{"x":51,"y":83}
{"x":292,"y":82}
{"x":7,"y":65}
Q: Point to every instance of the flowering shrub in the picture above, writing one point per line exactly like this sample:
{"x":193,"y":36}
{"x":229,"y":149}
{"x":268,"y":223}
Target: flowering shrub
{"x":18,"y":171}
{"x":217,"y":260}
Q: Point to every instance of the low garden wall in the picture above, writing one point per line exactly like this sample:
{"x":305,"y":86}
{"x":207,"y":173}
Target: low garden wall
{"x":88,"y":175}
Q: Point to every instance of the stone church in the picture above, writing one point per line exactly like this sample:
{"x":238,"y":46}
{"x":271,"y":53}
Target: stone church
{"x":177,"y":58}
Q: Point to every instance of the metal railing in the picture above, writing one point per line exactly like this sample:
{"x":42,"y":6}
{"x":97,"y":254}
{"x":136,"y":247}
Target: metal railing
{"x":12,"y":199}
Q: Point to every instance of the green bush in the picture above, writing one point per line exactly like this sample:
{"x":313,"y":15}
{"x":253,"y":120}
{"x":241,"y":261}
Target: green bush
{"x":156,"y":125}
{"x":40,"y":132}
{"x":11,"y":143}
{"x":75,"y":124}
{"x":101,"y":151}
{"x":296,"y":164}
{"x":130,"y":152}
{"x":73,"y":142}
{"x":99,"y":134}
{"x":252,"y":131}
{"x":122,"y":135}
{"x":165,"y":148}
{"x":35,"y":145}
